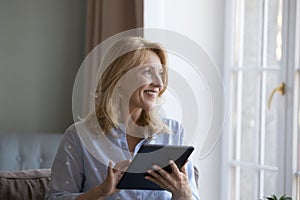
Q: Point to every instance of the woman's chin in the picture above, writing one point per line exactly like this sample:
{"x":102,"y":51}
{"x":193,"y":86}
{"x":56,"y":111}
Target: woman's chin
{"x":148,"y":106}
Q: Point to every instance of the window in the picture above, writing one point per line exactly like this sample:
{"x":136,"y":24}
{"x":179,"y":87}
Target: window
{"x":297,"y":106}
{"x":262,"y":138}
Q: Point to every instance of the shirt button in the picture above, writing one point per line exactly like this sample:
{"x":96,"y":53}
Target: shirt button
{"x":139,"y":197}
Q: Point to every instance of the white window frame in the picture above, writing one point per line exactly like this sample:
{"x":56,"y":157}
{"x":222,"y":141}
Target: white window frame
{"x":292,"y":120}
{"x":296,"y":115}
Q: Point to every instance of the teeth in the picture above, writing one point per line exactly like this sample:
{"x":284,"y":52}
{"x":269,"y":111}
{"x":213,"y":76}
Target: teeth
{"x":150,"y":92}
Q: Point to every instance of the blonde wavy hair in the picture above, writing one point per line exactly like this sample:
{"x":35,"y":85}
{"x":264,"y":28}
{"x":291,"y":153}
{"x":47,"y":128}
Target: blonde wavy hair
{"x":124,"y":55}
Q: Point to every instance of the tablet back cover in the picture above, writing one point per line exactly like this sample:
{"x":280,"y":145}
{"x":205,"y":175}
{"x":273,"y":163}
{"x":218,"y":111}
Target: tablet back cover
{"x":148,"y":155}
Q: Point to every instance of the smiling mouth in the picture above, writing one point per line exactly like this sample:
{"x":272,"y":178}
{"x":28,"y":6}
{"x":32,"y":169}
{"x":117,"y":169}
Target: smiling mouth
{"x":151,"y":93}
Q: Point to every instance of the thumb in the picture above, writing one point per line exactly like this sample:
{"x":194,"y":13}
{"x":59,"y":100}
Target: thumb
{"x":110,"y":169}
{"x":183,"y":168}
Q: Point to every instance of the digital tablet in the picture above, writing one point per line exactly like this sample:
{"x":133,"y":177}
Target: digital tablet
{"x":147,"y":156}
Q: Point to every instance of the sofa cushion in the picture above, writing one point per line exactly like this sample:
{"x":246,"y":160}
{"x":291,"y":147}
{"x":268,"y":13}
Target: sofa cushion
{"x":24,"y":151}
{"x":27,"y":184}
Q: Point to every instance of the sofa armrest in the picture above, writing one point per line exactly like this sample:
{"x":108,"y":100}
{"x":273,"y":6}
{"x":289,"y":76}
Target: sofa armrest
{"x":26,"y":184}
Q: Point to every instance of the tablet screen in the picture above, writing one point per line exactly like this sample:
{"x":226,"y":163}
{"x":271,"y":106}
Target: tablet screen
{"x":147,"y":156}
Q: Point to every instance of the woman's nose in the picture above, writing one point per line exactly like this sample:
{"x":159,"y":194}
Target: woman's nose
{"x":157,"y":80}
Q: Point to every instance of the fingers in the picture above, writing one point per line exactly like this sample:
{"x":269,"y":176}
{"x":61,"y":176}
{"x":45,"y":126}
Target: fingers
{"x":183,"y":168}
{"x":110,"y":169}
{"x":155,"y":180}
{"x":174,"y":167}
{"x":122,"y":165}
{"x":171,"y":182}
{"x":175,"y":171}
{"x":160,"y":171}
{"x":159,"y":177}
{"x":111,"y":175}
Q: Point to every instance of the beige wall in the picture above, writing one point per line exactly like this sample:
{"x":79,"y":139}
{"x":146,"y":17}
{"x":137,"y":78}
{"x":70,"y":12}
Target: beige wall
{"x":41,"y":49}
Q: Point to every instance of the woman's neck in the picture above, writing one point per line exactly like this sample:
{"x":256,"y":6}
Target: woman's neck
{"x":132,"y":141}
{"x":134,"y":132}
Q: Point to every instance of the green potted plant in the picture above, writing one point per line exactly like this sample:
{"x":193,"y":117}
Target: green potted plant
{"x":274,"y":197}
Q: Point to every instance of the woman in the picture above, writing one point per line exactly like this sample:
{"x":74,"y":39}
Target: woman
{"x":126,"y":117}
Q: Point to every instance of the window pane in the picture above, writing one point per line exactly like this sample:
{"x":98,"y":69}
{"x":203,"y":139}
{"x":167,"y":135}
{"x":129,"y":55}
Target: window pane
{"x":274,"y":32}
{"x":271,"y":121}
{"x":250,"y":112}
{"x":248,"y":184}
{"x":270,"y":180}
{"x":252,"y":39}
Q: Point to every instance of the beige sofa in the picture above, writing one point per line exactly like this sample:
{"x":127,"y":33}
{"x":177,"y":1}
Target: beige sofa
{"x":23,"y":185}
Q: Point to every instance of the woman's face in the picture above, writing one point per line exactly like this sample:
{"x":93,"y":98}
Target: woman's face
{"x":141,"y":85}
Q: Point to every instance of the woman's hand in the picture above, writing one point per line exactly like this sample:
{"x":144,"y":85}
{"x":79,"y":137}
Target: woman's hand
{"x":176,"y":182}
{"x":114,"y":175}
{"x":108,"y":187}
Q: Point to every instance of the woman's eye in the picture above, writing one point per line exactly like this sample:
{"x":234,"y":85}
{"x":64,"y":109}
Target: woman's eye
{"x":147,"y":72}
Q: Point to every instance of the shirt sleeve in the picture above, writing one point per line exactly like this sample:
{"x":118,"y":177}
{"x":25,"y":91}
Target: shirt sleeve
{"x":67,"y":169}
{"x":190,"y":166}
{"x":192,"y":180}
